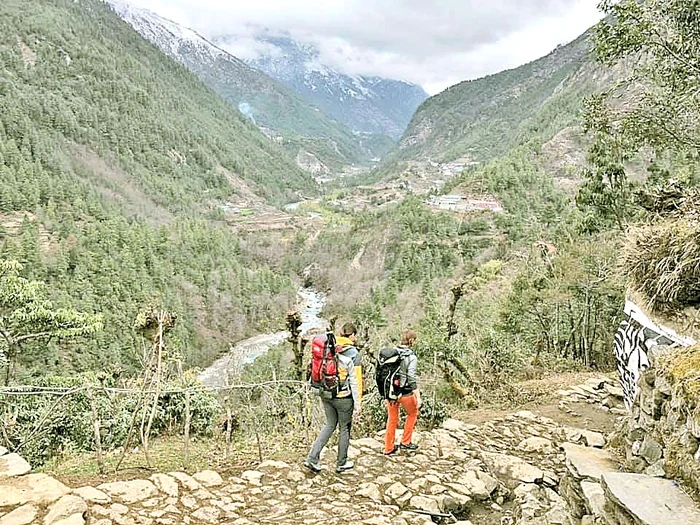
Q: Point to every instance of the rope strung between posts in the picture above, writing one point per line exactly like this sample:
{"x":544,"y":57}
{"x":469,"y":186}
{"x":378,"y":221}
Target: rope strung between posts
{"x":32,"y":390}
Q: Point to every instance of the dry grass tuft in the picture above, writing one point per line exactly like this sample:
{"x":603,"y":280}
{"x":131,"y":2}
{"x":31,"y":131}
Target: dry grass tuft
{"x":683,"y":365}
{"x":662,"y":262}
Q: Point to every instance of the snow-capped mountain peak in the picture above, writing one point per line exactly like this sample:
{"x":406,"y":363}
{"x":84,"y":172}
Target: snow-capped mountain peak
{"x":164,"y":33}
{"x":365,"y":104}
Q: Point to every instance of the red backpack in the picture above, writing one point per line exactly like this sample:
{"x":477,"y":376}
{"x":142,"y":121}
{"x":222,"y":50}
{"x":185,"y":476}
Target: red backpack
{"x":323,"y":368}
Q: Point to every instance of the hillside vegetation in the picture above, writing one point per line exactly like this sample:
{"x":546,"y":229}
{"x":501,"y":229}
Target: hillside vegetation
{"x":112,"y":158}
{"x":495,"y":297}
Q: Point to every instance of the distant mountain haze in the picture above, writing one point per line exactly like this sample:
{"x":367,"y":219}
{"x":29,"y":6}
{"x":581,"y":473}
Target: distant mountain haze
{"x":302,"y":128}
{"x":365,"y":104}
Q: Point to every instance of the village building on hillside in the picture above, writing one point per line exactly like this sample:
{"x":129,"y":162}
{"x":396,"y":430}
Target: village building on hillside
{"x":460,"y":203}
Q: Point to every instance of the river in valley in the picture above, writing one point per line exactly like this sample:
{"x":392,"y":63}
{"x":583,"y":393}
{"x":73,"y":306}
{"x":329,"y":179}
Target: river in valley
{"x":310,"y":303}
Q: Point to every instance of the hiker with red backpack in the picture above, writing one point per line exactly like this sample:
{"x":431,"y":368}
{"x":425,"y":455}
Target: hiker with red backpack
{"x":397,"y":381}
{"x":335,"y":373}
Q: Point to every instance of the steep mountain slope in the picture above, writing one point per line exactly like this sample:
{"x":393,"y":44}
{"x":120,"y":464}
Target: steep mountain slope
{"x":114,"y":164}
{"x":481,"y":119}
{"x":366,"y":104}
{"x":268,"y":103}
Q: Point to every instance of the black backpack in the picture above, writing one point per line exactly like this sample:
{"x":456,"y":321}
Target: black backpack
{"x":391,"y":379}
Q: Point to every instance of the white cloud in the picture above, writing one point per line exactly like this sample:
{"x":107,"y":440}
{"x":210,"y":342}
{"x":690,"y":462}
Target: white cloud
{"x":433,"y":43}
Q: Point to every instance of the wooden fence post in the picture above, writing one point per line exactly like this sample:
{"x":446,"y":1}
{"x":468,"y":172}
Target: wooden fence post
{"x":185,"y":459}
{"x":229,"y":420}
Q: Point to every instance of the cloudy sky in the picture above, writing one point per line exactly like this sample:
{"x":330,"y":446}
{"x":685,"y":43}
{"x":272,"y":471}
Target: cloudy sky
{"x":434,"y":43}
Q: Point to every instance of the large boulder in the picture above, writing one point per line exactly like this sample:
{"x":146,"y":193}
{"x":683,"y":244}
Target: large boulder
{"x":586,"y":463}
{"x":209,"y":478}
{"x":13,"y":465}
{"x":512,"y":470}
{"x":65,"y":508}
{"x":130,"y":491}
{"x":645,"y":500}
{"x":166,"y":484}
{"x":32,"y":488}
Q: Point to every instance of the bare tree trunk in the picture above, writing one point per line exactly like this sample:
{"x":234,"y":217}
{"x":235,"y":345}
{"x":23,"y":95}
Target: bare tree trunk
{"x":586,"y":325}
{"x":98,"y":436}
{"x":458,"y":388}
{"x":157,"y":381}
{"x":229,"y":419}
{"x":132,"y":425}
{"x":461,"y":367}
{"x":12,"y":352}
{"x":260,"y":451}
{"x":293,"y":322}
{"x":457,"y":293}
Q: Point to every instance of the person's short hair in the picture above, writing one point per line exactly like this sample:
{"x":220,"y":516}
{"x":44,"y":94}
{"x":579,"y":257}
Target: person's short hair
{"x":408,"y":337}
{"x":348,"y":329}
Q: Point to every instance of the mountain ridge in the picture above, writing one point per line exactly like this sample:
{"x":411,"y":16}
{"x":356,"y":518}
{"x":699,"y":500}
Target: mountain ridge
{"x":275,"y":108}
{"x":478,"y":120}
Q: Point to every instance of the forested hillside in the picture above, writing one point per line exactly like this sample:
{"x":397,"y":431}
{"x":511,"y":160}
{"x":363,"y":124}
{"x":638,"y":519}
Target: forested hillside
{"x":112,"y":159}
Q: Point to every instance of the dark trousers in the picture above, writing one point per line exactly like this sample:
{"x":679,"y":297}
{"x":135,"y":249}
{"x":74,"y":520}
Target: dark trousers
{"x":338,"y":414}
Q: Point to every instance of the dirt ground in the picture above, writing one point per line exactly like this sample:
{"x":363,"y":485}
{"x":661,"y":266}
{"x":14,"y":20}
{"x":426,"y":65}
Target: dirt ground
{"x":540,"y":396}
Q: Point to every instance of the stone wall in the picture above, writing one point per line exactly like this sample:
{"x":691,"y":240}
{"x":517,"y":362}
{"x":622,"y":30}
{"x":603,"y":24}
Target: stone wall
{"x":662,"y":435}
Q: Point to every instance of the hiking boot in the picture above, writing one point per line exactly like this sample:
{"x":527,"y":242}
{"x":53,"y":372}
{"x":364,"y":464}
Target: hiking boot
{"x":345,"y":466}
{"x":410,"y":446}
{"x":392,"y":451}
{"x":313,"y":467}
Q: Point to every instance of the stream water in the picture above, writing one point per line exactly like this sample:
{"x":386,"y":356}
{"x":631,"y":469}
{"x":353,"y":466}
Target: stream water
{"x":310,"y":303}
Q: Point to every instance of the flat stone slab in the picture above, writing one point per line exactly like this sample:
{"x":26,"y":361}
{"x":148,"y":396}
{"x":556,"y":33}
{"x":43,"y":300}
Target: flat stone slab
{"x":93,"y":495}
{"x":24,"y":515}
{"x":3,"y":451}
{"x":595,"y":498}
{"x":649,"y":500}
{"x":209,"y":478}
{"x":32,"y":488}
{"x":588,"y":463}
{"x":130,"y":491}
{"x":593,"y":439}
{"x":511,"y":469}
{"x":13,"y":465}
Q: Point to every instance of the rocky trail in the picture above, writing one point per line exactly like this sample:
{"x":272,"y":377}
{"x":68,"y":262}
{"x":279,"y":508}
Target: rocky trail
{"x":522,"y":468}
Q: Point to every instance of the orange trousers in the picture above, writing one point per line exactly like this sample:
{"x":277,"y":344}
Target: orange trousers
{"x":410,"y":405}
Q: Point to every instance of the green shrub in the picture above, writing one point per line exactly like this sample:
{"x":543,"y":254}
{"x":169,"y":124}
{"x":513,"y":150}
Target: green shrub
{"x":42,"y":426}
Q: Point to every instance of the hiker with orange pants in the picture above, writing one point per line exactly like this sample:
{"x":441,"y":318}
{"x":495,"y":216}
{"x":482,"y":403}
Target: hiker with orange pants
{"x":397,"y":379}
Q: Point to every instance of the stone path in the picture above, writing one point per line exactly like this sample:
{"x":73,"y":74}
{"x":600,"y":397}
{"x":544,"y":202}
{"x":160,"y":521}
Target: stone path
{"x":521,"y":469}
